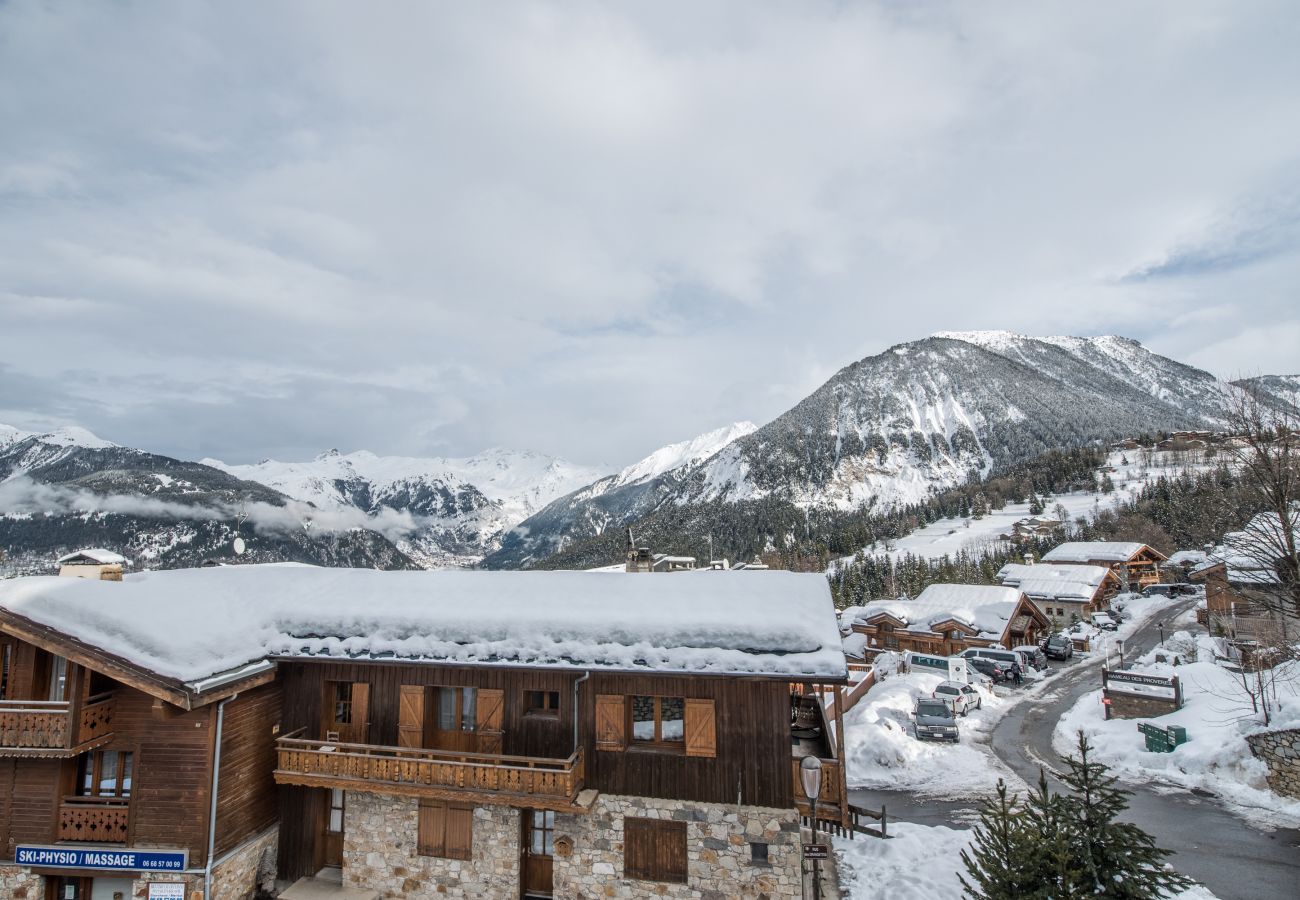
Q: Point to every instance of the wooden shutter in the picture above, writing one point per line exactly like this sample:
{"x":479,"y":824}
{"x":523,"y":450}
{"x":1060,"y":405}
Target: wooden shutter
{"x":611,"y":722}
{"x":433,"y":828}
{"x":654,"y":850}
{"x":460,"y":831}
{"x":410,"y":716}
{"x":489,"y":714}
{"x":361,"y":712}
{"x":701,"y":733}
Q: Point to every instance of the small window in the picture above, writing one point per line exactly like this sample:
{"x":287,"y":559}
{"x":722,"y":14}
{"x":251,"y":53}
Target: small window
{"x":335,"y":825}
{"x":343,"y":702}
{"x":659,"y":720}
{"x":542,"y":703}
{"x":446,"y":830}
{"x":654,"y":850}
{"x":758,"y":854}
{"x":6,"y":660}
{"x":104,"y":773}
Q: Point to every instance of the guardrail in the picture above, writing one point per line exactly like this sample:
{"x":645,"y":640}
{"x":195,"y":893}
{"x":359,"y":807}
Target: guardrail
{"x":47,"y":725}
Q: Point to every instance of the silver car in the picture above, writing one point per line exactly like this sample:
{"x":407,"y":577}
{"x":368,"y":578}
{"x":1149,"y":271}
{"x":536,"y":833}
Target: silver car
{"x":961,"y":697}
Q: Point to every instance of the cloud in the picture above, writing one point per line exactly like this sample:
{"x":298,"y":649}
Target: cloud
{"x":590,"y":229}
{"x":24,"y":497}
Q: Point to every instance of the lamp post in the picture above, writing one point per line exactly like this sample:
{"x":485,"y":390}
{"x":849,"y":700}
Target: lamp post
{"x":1161,"y":626}
{"x":1120,"y":644}
{"x":810,"y":776}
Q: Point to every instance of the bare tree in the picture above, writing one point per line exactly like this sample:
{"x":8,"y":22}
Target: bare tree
{"x":1264,"y":445}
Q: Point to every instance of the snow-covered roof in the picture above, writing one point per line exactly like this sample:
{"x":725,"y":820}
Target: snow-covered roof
{"x":1086,"y":551}
{"x":1187,"y":558}
{"x":1064,"y":582}
{"x":987,"y":609}
{"x":191,"y":624}
{"x":1248,"y":554}
{"x":94,"y":555}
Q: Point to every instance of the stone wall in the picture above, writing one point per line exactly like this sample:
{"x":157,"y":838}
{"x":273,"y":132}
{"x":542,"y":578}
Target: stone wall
{"x":717,"y":848}
{"x":1280,"y":752}
{"x":381,"y":852}
{"x":250,"y":866}
{"x":18,"y":883}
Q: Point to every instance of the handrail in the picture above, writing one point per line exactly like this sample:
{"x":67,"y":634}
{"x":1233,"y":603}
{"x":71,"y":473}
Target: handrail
{"x":99,"y":698}
{"x":80,"y":800}
{"x":45,"y":706}
{"x":497,"y":760}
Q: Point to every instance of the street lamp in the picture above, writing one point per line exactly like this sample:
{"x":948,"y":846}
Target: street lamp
{"x":810,"y":776}
{"x":1161,"y":626}
{"x":1120,"y":644}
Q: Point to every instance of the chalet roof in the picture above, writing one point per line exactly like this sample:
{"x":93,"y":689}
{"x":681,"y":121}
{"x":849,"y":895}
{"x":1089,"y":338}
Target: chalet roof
{"x":193,"y":624}
{"x":1048,"y":581}
{"x":1087,"y":551}
{"x":1187,"y":558}
{"x":94,"y":555}
{"x":1246,"y":554}
{"x":983,"y":608}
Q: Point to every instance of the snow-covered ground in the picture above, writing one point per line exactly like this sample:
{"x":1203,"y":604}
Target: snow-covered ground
{"x":919,"y":862}
{"x":1217,"y":715}
{"x":1133,"y":469}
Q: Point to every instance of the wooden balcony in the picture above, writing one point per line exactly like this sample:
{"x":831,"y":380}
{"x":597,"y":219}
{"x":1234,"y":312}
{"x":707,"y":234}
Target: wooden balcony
{"x":42,"y":728}
{"x":531,"y":782}
{"x":99,"y":820}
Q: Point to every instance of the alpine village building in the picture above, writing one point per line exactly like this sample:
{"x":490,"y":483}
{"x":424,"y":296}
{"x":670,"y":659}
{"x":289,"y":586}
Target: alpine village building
{"x":1136,"y":565}
{"x":203,"y":734}
{"x":947,"y":619}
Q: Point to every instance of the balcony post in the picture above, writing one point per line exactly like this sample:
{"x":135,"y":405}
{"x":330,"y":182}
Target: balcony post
{"x":78,"y":687}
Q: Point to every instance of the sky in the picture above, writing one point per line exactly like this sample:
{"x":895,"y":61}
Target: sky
{"x":252,"y":230}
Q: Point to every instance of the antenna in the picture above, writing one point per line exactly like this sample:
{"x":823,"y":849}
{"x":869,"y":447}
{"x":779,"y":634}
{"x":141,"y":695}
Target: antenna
{"x":241,"y":517}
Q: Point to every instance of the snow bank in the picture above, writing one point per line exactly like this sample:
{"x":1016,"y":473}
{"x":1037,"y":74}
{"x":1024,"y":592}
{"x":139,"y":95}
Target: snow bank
{"x":193,"y":623}
{"x":1217,"y":715}
{"x":882,"y":753}
{"x":919,"y":862}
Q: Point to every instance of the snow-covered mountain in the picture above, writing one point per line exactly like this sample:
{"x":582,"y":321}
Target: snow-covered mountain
{"x":462,"y":507}
{"x":611,"y":501}
{"x":68,"y":489}
{"x":1285,"y":388}
{"x":892,"y":428}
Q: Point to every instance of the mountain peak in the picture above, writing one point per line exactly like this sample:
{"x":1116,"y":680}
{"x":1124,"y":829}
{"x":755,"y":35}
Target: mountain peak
{"x":684,"y":453}
{"x":74,"y":436}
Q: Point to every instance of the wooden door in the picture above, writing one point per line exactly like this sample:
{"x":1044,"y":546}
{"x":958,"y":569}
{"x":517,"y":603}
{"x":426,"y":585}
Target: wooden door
{"x":538,"y":863}
{"x":410,"y":715}
{"x":332,"y":828}
{"x":346,"y":712}
{"x":454,"y":720}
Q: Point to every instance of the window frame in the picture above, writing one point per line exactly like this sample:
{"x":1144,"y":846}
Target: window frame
{"x":6,"y":665}
{"x":658,"y":742}
{"x":546,"y":710}
{"x":92,"y":764}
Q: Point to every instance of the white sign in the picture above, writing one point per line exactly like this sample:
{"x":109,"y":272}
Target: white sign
{"x":958,"y":670}
{"x":166,"y":890}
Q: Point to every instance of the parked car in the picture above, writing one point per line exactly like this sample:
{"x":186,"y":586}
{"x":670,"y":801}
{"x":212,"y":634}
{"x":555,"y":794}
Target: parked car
{"x":1005,"y":657}
{"x":990,"y":667}
{"x":1034,"y":655}
{"x":1058,"y":646}
{"x":962,"y":697}
{"x":1104,"y":622}
{"x":935,"y":720}
{"x":1162,"y":590}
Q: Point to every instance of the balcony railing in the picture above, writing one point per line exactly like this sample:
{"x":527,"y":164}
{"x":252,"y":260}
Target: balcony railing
{"x":101,"y":820}
{"x":551,"y":783}
{"x":46,"y":727}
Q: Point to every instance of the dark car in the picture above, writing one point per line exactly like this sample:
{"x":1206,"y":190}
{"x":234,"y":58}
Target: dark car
{"x":1058,"y":646}
{"x":935,"y":720}
{"x":992,"y":668}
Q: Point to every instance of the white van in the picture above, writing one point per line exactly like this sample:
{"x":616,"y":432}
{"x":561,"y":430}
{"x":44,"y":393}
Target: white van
{"x":1006,"y":657}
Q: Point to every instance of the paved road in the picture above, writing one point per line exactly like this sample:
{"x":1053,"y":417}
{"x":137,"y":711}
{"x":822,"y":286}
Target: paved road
{"x":1233,"y":858}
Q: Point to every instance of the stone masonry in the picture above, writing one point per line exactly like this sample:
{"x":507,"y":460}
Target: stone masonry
{"x":718,"y":851}
{"x":18,"y":883}
{"x":1280,"y":752}
{"x":250,"y":866}
{"x":381,"y":852}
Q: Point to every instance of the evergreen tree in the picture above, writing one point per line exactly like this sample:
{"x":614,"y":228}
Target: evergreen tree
{"x":1035,"y":505}
{"x":1001,"y":858}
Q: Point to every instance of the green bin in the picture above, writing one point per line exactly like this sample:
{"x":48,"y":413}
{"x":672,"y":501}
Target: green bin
{"x":1177,"y":735}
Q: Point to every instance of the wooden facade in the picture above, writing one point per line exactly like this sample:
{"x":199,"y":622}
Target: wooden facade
{"x":951,"y":637}
{"x":118,"y":763}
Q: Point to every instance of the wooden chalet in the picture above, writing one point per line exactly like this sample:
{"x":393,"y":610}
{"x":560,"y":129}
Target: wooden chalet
{"x":100,"y":754}
{"x":1062,"y":593}
{"x":506,"y":734}
{"x":1137,"y":566}
{"x":946,"y":619}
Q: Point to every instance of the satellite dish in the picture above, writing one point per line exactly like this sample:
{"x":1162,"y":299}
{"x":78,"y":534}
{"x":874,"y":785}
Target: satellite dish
{"x":239,"y":546}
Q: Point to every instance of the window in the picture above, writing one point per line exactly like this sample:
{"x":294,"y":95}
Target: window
{"x":335,"y":824}
{"x":758,"y":854}
{"x":58,"y":678}
{"x":542,"y":703}
{"x":542,"y":840}
{"x":457,"y":708}
{"x":658,"y":720}
{"x":104,"y":773}
{"x":654,"y":850}
{"x":343,"y":703}
{"x":6,"y":660}
{"x":446,"y":829}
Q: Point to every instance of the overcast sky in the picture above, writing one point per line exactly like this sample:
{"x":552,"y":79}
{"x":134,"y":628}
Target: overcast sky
{"x":251,"y":230}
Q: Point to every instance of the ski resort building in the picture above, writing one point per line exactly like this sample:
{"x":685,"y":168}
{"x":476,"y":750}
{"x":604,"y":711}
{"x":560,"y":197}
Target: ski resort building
{"x":1135,"y":565}
{"x":445,"y":734}
{"x":949,"y":618}
{"x":1062,"y":593}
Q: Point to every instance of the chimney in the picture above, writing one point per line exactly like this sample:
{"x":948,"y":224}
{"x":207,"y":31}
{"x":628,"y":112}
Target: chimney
{"x":1029,"y":557}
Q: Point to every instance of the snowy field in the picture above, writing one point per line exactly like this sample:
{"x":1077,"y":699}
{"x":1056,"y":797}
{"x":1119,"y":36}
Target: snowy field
{"x":919,"y":862}
{"x":947,"y":537}
{"x":1217,"y":715}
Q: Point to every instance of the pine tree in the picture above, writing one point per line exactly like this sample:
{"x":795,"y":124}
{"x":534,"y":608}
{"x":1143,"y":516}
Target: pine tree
{"x":1118,"y":859}
{"x":1000,"y":861}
